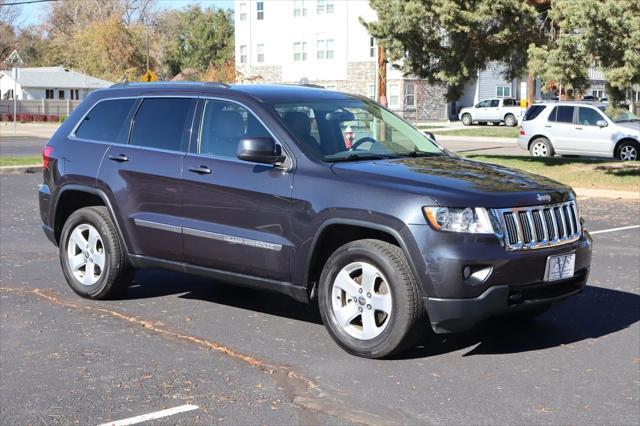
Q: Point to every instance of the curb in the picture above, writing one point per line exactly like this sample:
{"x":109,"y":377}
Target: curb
{"x":606,"y":193}
{"x":446,"y":138}
{"x":14,"y":170}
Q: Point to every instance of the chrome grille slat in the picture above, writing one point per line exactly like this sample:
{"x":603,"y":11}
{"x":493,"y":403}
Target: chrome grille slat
{"x":540,"y":226}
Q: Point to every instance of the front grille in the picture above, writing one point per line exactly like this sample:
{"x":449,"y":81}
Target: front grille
{"x":540,"y":226}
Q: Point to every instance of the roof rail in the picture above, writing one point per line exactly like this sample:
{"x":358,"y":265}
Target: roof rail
{"x":168,"y":83}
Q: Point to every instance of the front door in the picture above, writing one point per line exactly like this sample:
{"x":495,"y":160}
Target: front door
{"x":589,"y":137}
{"x":236,"y":214}
{"x":144,"y":177}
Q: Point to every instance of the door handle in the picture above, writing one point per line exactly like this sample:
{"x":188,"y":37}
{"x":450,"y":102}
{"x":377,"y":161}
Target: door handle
{"x":548,"y":126}
{"x":578,"y":128}
{"x":118,"y":157}
{"x":201,"y":170}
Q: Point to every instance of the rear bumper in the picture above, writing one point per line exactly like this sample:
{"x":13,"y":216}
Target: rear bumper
{"x":454,"y":315}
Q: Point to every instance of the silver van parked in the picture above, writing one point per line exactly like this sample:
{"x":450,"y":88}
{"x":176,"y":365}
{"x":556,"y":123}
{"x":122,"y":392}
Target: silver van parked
{"x":580,"y":128}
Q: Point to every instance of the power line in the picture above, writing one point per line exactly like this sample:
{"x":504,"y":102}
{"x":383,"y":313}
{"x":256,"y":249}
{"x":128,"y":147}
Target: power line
{"x":17,"y":3}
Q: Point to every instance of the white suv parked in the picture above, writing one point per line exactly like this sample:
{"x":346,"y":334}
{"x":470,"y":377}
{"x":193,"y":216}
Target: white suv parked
{"x":580,"y":128}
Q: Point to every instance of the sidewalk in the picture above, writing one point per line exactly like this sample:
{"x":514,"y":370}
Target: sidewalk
{"x":37,"y":130}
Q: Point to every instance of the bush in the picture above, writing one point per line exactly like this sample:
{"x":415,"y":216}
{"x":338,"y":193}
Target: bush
{"x":62,"y":118}
{"x":40,"y":118}
{"x":52,"y":118}
{"x":24,"y":117}
{"x":5,"y":116}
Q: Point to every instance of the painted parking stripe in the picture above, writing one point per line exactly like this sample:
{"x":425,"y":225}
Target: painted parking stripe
{"x":152,"y":416}
{"x":622,"y":228}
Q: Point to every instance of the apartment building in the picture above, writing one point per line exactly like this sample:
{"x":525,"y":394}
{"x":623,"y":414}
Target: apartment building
{"x":324,"y":42}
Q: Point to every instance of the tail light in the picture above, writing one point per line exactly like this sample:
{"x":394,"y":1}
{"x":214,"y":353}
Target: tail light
{"x":46,"y":155}
{"x":521,"y":131}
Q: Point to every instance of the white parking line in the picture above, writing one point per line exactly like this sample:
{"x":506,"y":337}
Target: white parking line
{"x":623,"y":228}
{"x":152,"y":416}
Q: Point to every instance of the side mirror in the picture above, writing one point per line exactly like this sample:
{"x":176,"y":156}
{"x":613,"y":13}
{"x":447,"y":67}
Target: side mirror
{"x":601,"y":123}
{"x":430,"y":135}
{"x":260,"y":150}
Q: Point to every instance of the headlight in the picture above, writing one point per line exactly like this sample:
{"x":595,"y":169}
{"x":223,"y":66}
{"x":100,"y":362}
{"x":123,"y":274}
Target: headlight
{"x":475,"y":220}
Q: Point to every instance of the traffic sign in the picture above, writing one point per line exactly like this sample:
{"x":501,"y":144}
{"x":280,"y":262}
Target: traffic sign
{"x":149,"y":76}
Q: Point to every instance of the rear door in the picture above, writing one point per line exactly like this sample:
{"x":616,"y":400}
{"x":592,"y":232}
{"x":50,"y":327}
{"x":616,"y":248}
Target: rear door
{"x":561,"y":129}
{"x":237,"y":214}
{"x":143,"y":177}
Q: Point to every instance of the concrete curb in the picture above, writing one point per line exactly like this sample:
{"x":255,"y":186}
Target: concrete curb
{"x":14,"y":170}
{"x":606,"y":193}
{"x":444,"y":138}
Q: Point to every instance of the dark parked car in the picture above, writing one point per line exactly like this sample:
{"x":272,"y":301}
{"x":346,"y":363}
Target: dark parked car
{"x":323,"y":196}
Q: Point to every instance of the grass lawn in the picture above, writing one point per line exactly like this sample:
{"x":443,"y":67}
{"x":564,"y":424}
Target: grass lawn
{"x":428,"y":126}
{"x":575,"y":172}
{"x":21,"y":161}
{"x":484,"y":131}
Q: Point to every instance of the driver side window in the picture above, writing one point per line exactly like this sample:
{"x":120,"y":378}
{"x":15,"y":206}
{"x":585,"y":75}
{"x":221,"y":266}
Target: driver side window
{"x":483,"y":104}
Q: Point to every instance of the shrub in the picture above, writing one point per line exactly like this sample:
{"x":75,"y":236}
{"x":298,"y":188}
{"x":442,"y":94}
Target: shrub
{"x":40,"y":118}
{"x":24,"y":117}
{"x":62,"y":118}
{"x":6,"y":116}
{"x":52,"y":118}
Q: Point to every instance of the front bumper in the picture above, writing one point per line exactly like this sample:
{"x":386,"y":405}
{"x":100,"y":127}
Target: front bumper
{"x":454,"y":315}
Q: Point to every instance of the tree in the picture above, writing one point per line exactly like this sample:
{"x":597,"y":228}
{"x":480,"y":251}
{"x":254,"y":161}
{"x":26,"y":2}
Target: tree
{"x":8,"y":16}
{"x":449,"y":41}
{"x":601,"y":33}
{"x":196,"y":38}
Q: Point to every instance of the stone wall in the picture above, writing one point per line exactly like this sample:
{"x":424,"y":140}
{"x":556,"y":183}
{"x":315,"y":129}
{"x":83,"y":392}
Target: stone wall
{"x":260,"y":74}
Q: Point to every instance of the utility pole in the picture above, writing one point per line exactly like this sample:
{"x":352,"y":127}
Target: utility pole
{"x":381,"y":80}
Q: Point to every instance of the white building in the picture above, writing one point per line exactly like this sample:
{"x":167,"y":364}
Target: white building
{"x":48,"y":83}
{"x":324,"y":42}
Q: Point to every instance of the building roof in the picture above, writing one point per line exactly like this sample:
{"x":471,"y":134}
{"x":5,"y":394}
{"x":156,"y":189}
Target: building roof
{"x":58,"y":78}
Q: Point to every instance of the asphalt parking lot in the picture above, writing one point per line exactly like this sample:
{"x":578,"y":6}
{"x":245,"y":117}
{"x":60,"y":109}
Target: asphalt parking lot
{"x":247,"y":357}
{"x":18,"y":146}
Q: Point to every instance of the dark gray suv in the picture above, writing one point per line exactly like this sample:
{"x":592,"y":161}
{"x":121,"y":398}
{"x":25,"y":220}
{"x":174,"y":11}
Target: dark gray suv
{"x":323,"y":196}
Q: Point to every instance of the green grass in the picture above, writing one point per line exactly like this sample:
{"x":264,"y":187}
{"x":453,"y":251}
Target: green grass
{"x":21,"y":161}
{"x":428,"y":126}
{"x":575,"y":172}
{"x":485,"y":131}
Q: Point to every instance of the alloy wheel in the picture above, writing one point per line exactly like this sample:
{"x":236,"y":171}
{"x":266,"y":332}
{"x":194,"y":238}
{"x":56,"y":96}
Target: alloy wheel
{"x":540,"y":150}
{"x":86,"y":254}
{"x":628,"y":153}
{"x":361,"y":300}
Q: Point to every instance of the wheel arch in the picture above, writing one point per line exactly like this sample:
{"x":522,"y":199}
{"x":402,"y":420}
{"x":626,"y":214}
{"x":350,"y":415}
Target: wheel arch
{"x":538,"y":136}
{"x":73,"y":197}
{"x":621,"y":141}
{"x":334,"y":233}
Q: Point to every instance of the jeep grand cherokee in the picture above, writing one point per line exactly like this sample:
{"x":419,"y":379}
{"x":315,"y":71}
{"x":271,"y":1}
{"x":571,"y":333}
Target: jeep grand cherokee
{"x":320,"y":195}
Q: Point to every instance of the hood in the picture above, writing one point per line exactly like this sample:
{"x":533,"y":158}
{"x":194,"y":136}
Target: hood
{"x":631,"y":125}
{"x":455,"y":182}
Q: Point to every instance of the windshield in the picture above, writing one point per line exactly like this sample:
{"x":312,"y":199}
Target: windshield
{"x":618,"y":115}
{"x":352,"y":129}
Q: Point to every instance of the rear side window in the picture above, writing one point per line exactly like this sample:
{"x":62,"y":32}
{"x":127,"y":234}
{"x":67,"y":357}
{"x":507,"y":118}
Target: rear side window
{"x":533,"y":112}
{"x":562,"y":114}
{"x":161,"y":123}
{"x":105,"y":120}
{"x":494,"y":103}
{"x":509,"y":102}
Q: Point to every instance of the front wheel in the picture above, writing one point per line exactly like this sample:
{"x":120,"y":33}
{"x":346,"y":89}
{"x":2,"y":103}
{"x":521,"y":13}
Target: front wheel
{"x":466,"y":119}
{"x":628,"y":151}
{"x":368,"y":299}
{"x":541,"y":147}
{"x":93,"y":258}
{"x":510,"y":120}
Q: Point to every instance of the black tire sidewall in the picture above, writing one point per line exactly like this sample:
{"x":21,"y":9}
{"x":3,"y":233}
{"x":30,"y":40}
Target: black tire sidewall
{"x":512,"y":117}
{"x":629,"y":143}
{"x":389,"y":339}
{"x":89,"y":217}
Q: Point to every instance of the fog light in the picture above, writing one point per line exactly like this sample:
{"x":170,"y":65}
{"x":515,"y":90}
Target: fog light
{"x":466,"y":272}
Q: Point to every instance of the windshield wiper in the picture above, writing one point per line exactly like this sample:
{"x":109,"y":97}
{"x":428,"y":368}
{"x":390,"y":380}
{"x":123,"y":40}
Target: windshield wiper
{"x":418,"y":153}
{"x":358,"y":156}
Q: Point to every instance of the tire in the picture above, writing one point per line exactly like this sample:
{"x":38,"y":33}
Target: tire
{"x":466,"y":119}
{"x":541,"y":147}
{"x":510,"y":120}
{"x":628,"y":151}
{"x":348,"y":304}
{"x":92,"y":257}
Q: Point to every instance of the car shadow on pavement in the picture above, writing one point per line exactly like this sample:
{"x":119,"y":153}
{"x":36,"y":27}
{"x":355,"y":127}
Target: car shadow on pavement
{"x":156,"y":283}
{"x":595,"y":313}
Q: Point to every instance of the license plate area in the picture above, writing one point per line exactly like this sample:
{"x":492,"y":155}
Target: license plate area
{"x":560,"y":267}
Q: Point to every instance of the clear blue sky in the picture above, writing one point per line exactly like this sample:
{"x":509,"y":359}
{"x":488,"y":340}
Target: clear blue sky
{"x":34,"y":13}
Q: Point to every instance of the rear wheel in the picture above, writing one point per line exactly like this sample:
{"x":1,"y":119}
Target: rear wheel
{"x":368,"y":299}
{"x":510,"y":120}
{"x":466,"y":119}
{"x":541,"y":147}
{"x":92,"y":256}
{"x":628,"y":151}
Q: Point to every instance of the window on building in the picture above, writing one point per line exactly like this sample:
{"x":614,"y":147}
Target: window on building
{"x":48,"y":94}
{"x":260,"y":53}
{"x":409,"y":94}
{"x":166,"y":133}
{"x":300,"y":51}
{"x":60,"y":94}
{"x":260,"y":10}
{"x":393,"y":92}
{"x":243,"y":12}
{"x":325,"y":6}
{"x":8,"y":94}
{"x":503,"y":91}
{"x":324,"y":49}
{"x":635,"y":95}
{"x":243,"y":54}
{"x":371,"y":91}
{"x":299,"y":8}
{"x":223,"y":125}
{"x":597,"y":93}
{"x":106,"y":120}
{"x":372,"y":47}
{"x":74,"y":94}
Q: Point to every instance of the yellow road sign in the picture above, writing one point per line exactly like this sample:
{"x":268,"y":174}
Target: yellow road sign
{"x":149,"y":76}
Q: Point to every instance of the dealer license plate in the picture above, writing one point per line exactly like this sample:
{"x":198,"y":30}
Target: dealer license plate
{"x":560,"y":267}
